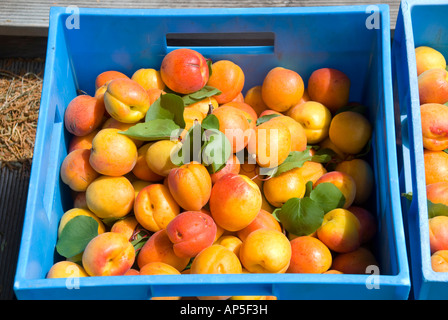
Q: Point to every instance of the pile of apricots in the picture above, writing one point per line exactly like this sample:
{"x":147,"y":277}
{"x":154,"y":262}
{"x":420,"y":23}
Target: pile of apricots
{"x":152,"y":215}
{"x":433,"y":94}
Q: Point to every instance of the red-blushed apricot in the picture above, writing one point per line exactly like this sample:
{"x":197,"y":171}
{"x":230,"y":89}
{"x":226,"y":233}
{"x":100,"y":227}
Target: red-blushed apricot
{"x":434,"y":118}
{"x":235,"y":126}
{"x":362,"y":173}
{"x":340,"y":231}
{"x":184,"y":70}
{"x":355,"y":262}
{"x":76,"y":170}
{"x":81,"y":142}
{"x":367,"y":221}
{"x":264,"y":219}
{"x":228,"y":77}
{"x":344,"y":182}
{"x":433,"y":86}
{"x":191,"y":232}
{"x":309,"y":255}
{"x":250,"y":113}
{"x":438,"y":233}
{"x":83,"y":115}
{"x":126,"y":101}
{"x":190,"y":185}
{"x":107,"y":76}
{"x":329,"y":86}
{"x":159,"y":248}
{"x":235,"y":201}
{"x":232,"y":166}
{"x":108,"y":254}
{"x":155,"y":207}
{"x":438,"y":192}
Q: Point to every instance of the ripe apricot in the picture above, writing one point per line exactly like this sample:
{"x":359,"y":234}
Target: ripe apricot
{"x":436,"y":166}
{"x":234,"y":202}
{"x":283,"y":187}
{"x":159,"y":156}
{"x":438,"y":192}
{"x":311,"y":171}
{"x":254,"y":99}
{"x":159,"y":248}
{"x":76,"y":170}
{"x":112,"y":153}
{"x":83,"y":115}
{"x":110,"y":197}
{"x":282,"y":89}
{"x":141,"y":169}
{"x":264,"y":219}
{"x":155,"y":207}
{"x":299,"y":138}
{"x":350,"y":131}
{"x":329,"y":86}
{"x":315,"y":119}
{"x":428,"y":58}
{"x":228,"y":77}
{"x":216,"y":259}
{"x":235,"y":126}
{"x":270,"y":144}
{"x":433,"y":86}
{"x":184,"y":70}
{"x":362,"y":173}
{"x":250,"y":113}
{"x":107,"y":76}
{"x":190,"y":185}
{"x":439,"y":261}
{"x":434,"y":118}
{"x":309,"y":255}
{"x":354,"y":262}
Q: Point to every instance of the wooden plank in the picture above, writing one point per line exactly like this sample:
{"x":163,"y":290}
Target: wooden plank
{"x":30,"y":17}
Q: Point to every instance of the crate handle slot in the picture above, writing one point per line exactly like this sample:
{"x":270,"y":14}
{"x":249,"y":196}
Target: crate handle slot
{"x":52,"y":161}
{"x":218,"y":42}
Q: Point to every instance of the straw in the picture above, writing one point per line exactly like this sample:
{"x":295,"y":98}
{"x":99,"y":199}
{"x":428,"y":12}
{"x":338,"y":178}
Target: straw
{"x":19,"y":108}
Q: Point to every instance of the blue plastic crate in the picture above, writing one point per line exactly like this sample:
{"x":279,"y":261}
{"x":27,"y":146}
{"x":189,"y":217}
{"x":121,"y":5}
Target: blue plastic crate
{"x":302,"y":39}
{"x":418,"y":23}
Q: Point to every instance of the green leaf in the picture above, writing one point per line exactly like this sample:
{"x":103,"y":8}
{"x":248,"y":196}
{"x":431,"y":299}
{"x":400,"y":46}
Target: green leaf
{"x":152,"y":130}
{"x":167,"y":106}
{"x":267,"y":117}
{"x":446,"y":150}
{"x":75,"y":236}
{"x":328,"y":196}
{"x":323,"y":155}
{"x":295,"y":159}
{"x":201,"y":94}
{"x":216,"y":150}
{"x":436,"y":209}
{"x":407,"y":195}
{"x":209,"y":64}
{"x":301,"y":216}
{"x":210,"y":122}
{"x":308,"y":188}
{"x":191,"y":146}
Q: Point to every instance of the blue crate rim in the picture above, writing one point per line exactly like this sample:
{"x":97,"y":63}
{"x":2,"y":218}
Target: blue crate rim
{"x":400,"y":278}
{"x":406,"y":7}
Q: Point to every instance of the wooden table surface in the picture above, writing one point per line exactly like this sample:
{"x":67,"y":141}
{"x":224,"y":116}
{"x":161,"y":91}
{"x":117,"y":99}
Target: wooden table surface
{"x":30,"y":17}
